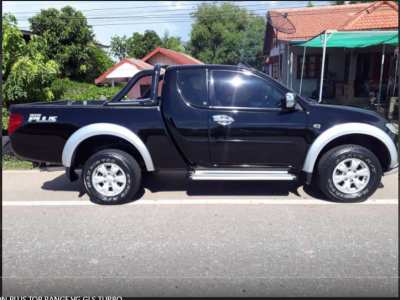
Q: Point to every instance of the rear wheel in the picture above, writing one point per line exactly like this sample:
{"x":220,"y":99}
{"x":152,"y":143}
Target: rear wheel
{"x":349,"y":173}
{"x":111,"y":176}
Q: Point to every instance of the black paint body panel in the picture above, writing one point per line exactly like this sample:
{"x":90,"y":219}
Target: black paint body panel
{"x":44,"y":142}
{"x":179,"y":135}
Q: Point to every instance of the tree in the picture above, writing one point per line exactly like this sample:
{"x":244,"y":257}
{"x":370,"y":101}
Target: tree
{"x":172,"y":42}
{"x":251,"y":51}
{"x":27,"y":71}
{"x":119,"y":46}
{"x":97,"y":62}
{"x":227,"y":34}
{"x":138,"y":45}
{"x":13,"y":44}
{"x":31,"y":76}
{"x":310,"y":4}
{"x":70,"y":41}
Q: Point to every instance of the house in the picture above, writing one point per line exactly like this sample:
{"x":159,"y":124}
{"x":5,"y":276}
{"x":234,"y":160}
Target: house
{"x":128,"y":67}
{"x":122,"y":71}
{"x":348,"y":73}
{"x":165,"y":56}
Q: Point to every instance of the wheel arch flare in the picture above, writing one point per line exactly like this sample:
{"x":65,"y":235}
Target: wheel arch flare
{"x":96,"y":129}
{"x":343,"y":130}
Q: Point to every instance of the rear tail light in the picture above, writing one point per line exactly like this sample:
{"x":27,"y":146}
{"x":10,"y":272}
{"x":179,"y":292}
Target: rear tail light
{"x":14,"y":122}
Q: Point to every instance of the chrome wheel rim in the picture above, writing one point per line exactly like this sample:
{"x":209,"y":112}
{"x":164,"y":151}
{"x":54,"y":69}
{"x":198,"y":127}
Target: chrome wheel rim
{"x":351,"y":176}
{"x":109,"y":179}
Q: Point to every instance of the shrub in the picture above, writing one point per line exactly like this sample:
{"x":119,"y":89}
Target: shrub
{"x":30,"y":80}
{"x":73,"y":90}
{"x":13,"y":44}
{"x":4,"y":118}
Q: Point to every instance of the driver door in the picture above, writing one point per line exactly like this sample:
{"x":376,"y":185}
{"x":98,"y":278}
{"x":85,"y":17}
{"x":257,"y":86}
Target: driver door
{"x":248,"y":127}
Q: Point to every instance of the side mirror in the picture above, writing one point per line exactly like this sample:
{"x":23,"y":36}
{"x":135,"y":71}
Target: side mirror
{"x":290,"y":101}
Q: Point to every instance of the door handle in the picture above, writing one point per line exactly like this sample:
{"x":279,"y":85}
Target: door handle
{"x":223,"y":120}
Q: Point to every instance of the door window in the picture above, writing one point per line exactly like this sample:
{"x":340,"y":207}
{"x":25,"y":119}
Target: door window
{"x":244,"y":89}
{"x":192,"y":85}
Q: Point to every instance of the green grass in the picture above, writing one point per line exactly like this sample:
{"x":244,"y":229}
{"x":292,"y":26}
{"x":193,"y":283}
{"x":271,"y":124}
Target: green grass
{"x":11,"y":163}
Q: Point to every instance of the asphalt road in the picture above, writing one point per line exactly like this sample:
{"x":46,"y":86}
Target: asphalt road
{"x":196,"y":239}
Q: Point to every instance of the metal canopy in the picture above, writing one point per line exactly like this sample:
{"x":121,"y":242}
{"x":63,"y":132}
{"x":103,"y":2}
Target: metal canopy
{"x":349,"y":39}
{"x":353,"y":39}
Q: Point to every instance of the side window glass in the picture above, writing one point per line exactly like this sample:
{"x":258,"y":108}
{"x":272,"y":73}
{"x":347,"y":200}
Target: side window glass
{"x":192,"y":85}
{"x":243,"y":89}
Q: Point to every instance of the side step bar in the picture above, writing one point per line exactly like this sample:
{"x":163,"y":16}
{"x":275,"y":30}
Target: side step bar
{"x":238,"y":174}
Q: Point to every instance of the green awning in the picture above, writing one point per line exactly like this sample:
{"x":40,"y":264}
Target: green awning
{"x":353,"y":39}
{"x":393,"y":41}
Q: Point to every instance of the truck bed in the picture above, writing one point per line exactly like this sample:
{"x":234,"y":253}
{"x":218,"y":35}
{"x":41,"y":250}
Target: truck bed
{"x":44,"y":141}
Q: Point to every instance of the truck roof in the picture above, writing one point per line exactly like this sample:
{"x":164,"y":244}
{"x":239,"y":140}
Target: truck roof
{"x":214,"y":66}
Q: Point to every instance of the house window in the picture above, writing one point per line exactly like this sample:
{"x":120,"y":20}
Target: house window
{"x":312,"y":66}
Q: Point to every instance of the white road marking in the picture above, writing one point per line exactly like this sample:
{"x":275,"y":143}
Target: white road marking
{"x":204,"y":202}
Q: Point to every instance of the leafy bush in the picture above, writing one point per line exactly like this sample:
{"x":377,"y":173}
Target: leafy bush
{"x":28,"y":73}
{"x":73,"y":90}
{"x":30,"y":80}
{"x":97,"y":62}
{"x":13,"y":43}
{"x":4,"y":118}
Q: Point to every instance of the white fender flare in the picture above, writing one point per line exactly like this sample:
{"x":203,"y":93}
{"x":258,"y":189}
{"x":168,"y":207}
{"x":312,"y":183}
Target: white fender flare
{"x":104,"y":129}
{"x":346,"y":129}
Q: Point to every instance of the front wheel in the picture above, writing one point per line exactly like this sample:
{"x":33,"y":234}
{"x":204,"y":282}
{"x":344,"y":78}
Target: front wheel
{"x":349,"y":173}
{"x":111,"y":176}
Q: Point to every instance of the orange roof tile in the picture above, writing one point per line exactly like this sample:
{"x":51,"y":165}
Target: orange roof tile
{"x":178,"y":57}
{"x":311,"y":21}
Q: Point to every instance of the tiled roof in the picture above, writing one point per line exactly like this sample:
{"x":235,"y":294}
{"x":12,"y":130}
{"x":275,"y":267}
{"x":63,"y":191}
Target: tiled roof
{"x":311,"y":21}
{"x":138,"y":63}
{"x":379,"y":15}
{"x":178,"y":57}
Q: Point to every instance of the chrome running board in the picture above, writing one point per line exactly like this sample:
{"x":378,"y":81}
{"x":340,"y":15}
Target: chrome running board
{"x":239,"y":174}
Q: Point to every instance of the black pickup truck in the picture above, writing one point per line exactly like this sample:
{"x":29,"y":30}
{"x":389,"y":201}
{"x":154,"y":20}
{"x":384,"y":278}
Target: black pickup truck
{"x":217,"y":122}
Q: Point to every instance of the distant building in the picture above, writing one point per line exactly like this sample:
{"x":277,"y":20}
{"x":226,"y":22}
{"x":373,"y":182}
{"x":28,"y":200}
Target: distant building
{"x":169,"y":57}
{"x":128,"y":67}
{"x":122,"y":71}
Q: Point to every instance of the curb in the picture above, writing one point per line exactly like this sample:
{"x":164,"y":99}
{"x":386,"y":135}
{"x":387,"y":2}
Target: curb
{"x":58,"y":169}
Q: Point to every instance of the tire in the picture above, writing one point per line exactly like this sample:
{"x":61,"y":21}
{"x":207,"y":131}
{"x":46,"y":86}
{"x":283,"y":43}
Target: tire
{"x":111,"y":176}
{"x":349,"y":173}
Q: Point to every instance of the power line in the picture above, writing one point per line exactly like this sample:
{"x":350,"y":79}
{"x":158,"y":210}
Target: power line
{"x":162,"y":13}
{"x":154,"y":16}
{"x":170,"y":15}
{"x":194,"y":4}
